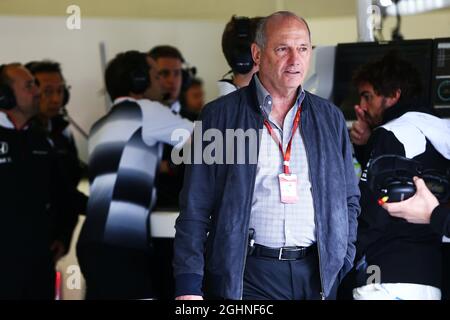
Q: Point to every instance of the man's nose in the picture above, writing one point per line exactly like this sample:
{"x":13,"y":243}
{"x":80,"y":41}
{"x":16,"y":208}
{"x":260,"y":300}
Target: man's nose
{"x":172,"y":78}
{"x":56,"y":97}
{"x":294,"y":56}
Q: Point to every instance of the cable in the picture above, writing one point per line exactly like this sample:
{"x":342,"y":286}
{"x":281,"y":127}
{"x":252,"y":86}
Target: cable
{"x":396,"y":35}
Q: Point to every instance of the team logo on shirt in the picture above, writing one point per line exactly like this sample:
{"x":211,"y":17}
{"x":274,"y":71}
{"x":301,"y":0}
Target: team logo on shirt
{"x":3,"y":148}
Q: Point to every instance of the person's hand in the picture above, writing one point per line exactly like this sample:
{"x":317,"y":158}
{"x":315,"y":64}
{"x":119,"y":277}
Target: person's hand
{"x":164,"y":167}
{"x":360,"y":131}
{"x":189,"y":297}
{"x":416,"y":209}
{"x":58,"y":250}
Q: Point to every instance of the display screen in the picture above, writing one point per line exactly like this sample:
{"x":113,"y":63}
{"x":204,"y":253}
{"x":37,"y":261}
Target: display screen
{"x":349,"y":56}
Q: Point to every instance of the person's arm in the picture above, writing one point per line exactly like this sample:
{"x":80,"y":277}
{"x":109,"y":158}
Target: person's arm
{"x":374,"y":220}
{"x":440,"y":220}
{"x":197,"y":200}
{"x":353,"y":196}
{"x":65,"y":217}
{"x":161,"y":125}
{"x":359,"y":135}
{"x":360,"y":131}
{"x":423,"y":207}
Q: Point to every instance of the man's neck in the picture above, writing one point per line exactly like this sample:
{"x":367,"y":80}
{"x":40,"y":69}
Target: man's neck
{"x":43,"y":120}
{"x":242,"y":80}
{"x":281,"y":106}
{"x":282,"y":100}
{"x":17,"y":118}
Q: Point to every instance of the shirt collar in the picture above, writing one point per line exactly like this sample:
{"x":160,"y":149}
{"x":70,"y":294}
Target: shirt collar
{"x":175,"y":107}
{"x":265,"y":100}
{"x":5,"y":122}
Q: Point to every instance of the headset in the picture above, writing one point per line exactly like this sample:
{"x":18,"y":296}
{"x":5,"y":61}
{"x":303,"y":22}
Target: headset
{"x":7,"y":97}
{"x":390,"y":177}
{"x":241,"y":56}
{"x":139,"y":78}
{"x":187,"y":74}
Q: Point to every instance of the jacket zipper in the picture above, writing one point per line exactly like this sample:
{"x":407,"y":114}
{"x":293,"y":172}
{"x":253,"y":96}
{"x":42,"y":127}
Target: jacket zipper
{"x":322,"y":294}
{"x":247,"y":223}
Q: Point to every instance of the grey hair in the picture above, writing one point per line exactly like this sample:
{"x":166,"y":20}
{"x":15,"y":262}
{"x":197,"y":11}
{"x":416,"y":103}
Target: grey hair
{"x":260,"y":37}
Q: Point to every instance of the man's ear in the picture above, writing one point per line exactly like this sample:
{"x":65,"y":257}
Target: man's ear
{"x":256,"y":53}
{"x":393,"y":99}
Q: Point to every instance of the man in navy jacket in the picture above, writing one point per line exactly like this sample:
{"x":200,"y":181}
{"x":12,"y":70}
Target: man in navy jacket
{"x":271,"y":222}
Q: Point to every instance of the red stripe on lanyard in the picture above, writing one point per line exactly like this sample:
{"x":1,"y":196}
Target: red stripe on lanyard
{"x":287,"y":155}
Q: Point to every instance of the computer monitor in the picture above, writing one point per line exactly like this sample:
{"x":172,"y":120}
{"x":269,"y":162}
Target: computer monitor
{"x":441,"y":77}
{"x":349,"y":56}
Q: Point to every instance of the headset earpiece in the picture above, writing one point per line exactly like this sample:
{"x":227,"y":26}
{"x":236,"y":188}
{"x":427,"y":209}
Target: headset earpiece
{"x":66,"y":96}
{"x":242,"y":60}
{"x":187,"y":75}
{"x":140,"y":80}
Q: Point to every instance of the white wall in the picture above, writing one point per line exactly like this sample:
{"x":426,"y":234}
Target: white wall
{"x":34,"y":38}
{"x":30,"y":38}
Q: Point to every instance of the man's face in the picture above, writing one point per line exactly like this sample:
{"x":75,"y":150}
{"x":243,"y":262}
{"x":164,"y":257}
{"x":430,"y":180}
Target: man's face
{"x":51,"y":85}
{"x":154,"y":91}
{"x":195,"y":98}
{"x":373,"y":105}
{"x":169,"y":73}
{"x":25,"y":90}
{"x":284,"y":61}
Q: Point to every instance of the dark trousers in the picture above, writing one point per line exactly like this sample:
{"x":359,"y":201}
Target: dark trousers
{"x":31,"y":278}
{"x":162,"y":274}
{"x":272,"y":279}
{"x":115,"y":273}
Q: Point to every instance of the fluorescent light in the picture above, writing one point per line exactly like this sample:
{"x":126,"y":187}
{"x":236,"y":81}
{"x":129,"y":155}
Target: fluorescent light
{"x":408,"y":7}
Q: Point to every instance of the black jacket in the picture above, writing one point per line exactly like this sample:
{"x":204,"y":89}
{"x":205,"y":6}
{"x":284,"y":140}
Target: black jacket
{"x":33,"y":194}
{"x":405,"y":252}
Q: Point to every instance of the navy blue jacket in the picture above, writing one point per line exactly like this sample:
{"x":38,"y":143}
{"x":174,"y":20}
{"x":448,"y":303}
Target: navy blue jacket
{"x":212,"y":228}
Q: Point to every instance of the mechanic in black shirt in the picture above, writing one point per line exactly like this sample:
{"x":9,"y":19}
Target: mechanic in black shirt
{"x":32,"y":193}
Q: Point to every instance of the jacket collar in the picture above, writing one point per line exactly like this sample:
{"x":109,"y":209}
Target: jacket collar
{"x":252,"y":96}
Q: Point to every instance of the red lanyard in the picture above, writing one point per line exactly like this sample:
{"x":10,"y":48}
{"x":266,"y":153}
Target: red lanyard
{"x":287,"y":155}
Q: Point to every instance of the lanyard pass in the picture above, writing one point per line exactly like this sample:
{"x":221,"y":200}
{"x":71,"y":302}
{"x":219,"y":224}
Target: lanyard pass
{"x":287,"y":180}
{"x":288,"y":188}
{"x":286,"y":155}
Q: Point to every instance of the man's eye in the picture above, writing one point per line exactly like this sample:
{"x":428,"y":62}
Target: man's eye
{"x":281,"y":49}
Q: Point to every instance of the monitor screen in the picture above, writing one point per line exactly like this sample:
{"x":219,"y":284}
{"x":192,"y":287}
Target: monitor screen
{"x":441,"y":77}
{"x":349,"y":56}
